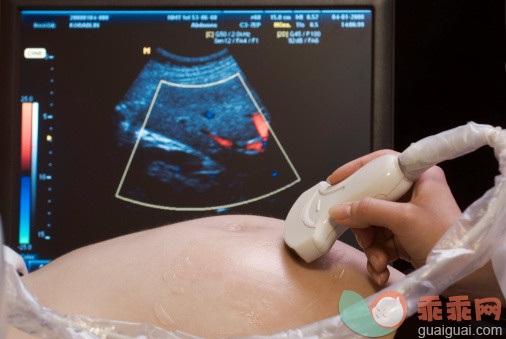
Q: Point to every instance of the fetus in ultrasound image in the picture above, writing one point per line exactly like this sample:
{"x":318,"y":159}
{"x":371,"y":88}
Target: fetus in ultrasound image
{"x":199,"y":136}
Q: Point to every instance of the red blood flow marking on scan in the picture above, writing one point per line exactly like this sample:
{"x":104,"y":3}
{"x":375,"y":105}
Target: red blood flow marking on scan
{"x":222,"y":141}
{"x":261,"y":126}
{"x":255,"y":146}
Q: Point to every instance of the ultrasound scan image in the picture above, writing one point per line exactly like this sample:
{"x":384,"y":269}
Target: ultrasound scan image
{"x":199,"y":136}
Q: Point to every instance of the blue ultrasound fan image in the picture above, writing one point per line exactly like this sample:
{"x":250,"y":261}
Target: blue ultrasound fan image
{"x":199,"y":136}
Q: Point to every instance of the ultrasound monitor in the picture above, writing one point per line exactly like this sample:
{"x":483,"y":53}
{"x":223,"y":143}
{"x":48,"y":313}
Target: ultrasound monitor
{"x":124,"y":116}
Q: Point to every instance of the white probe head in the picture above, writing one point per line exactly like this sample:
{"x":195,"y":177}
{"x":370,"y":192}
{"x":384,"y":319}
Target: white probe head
{"x":310,"y":230}
{"x":301,"y":225}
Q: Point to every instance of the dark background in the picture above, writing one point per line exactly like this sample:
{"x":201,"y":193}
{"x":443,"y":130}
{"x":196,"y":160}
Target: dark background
{"x":450,"y":69}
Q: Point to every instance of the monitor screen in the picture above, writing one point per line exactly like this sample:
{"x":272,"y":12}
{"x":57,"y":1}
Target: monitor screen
{"x":132,"y":119}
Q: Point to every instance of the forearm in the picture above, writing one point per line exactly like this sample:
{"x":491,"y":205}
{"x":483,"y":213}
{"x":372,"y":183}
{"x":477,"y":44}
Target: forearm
{"x":482,"y":283}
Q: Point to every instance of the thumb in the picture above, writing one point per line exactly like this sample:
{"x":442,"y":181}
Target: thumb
{"x":371,"y":211}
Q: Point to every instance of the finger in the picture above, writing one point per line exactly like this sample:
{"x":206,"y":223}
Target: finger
{"x":432,"y":182}
{"x":386,"y":247}
{"x":377,"y":257}
{"x":386,"y":251}
{"x":348,"y":169}
{"x":435,"y":173}
{"x":379,"y":254}
{"x":380,"y":278}
{"x":391,"y":250}
{"x":370,"y":269}
{"x":428,"y":180}
{"x":384,"y":233}
{"x":364,"y":236}
{"x":369,"y":211}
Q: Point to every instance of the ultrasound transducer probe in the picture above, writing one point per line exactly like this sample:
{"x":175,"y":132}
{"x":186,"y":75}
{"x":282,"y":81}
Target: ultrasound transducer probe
{"x":311,"y":231}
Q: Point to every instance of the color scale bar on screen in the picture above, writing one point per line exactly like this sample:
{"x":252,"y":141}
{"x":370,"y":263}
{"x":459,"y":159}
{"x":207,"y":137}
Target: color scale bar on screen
{"x":24,"y":211}
{"x":26,"y":135}
{"x":29,"y":152}
{"x":35,"y":141}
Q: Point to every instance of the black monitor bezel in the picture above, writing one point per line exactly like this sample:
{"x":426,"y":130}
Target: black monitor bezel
{"x":10,"y":22}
